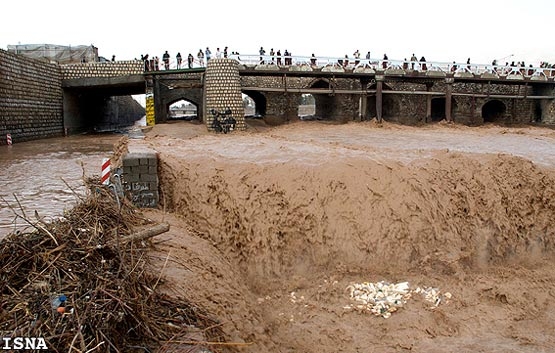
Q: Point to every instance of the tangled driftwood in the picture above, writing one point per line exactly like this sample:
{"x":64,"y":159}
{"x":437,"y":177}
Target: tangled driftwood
{"x":84,"y":284}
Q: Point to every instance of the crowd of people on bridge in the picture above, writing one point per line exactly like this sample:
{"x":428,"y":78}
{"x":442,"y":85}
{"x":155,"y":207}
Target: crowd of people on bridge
{"x":277,"y":57}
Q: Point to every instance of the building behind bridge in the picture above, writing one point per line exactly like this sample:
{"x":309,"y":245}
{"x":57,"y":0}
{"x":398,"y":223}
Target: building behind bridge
{"x":55,"y":53}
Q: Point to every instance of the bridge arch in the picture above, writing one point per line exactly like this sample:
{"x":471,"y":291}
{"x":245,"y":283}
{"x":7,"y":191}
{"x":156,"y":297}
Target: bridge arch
{"x":438,"y":108}
{"x":306,"y":109}
{"x":181,"y":110}
{"x":321,"y":83}
{"x":325,"y":103}
{"x":169,"y":97}
{"x":390,"y":106}
{"x":493,"y":111}
{"x":260,"y":102}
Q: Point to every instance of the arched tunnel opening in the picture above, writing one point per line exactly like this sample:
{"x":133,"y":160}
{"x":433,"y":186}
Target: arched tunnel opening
{"x":324,"y":103}
{"x":183,"y":110}
{"x":255,"y":104}
{"x":390,"y":107}
{"x":307,"y":107}
{"x":438,"y":108}
{"x":493,"y":111}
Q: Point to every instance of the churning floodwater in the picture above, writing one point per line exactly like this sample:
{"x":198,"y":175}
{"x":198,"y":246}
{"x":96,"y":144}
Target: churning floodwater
{"x":45,"y":176}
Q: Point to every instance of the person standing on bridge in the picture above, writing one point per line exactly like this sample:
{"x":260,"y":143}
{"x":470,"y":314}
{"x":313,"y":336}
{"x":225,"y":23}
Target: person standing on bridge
{"x":179,"y":60}
{"x":413,"y":60}
{"x":190,"y":60}
{"x":346,"y":61}
{"x":262,"y":52}
{"x":147,"y":62}
{"x":200,"y":57}
{"x":278,"y":57}
{"x":385,"y":61}
{"x":423,"y":64}
{"x":166,"y":60}
{"x":155,"y":63}
{"x":287,"y":57}
{"x":356,"y":54}
{"x":208,"y":54}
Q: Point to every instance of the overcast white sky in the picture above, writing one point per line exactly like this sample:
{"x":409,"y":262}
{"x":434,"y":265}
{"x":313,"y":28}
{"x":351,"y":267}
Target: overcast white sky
{"x":440,"y":30}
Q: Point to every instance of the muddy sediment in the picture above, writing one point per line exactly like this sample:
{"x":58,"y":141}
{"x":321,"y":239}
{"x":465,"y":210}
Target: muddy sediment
{"x":270,"y":226}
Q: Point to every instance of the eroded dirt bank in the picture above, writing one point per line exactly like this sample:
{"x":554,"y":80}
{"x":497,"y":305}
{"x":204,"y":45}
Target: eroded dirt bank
{"x":270,"y":227}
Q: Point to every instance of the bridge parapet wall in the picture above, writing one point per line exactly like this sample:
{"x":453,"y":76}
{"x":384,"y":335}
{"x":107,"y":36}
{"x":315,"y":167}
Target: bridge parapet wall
{"x":30,"y":98}
{"x":102,"y":69}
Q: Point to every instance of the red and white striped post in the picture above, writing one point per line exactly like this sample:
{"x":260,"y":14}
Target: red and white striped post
{"x":9,"y":139}
{"x":105,"y":176}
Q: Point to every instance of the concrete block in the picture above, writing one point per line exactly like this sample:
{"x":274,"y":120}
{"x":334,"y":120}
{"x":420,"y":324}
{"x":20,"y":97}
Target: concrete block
{"x":130,"y":161}
{"x":131,"y":178}
{"x":148,"y":177}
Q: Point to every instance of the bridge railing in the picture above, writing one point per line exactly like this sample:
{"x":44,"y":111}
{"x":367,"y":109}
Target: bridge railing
{"x":455,"y":68}
{"x":319,"y":62}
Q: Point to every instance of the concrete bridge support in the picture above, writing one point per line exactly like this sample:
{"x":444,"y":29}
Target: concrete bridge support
{"x":222,"y":90}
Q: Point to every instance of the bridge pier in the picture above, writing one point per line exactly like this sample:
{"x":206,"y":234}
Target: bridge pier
{"x":428,"y":104}
{"x":222,"y":91}
{"x":363,"y":106}
{"x":379,"y":97}
{"x":282,"y":108}
{"x":448,"y":98}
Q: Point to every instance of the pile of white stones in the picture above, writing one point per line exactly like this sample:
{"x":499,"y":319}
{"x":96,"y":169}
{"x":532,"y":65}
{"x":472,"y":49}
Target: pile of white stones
{"x":383,"y":298}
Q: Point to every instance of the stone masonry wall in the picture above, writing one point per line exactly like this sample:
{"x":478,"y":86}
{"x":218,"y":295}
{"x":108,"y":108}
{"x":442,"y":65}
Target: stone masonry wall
{"x":102,"y":69}
{"x":30,"y":98}
{"x":223,"y":90}
{"x":403,"y":108}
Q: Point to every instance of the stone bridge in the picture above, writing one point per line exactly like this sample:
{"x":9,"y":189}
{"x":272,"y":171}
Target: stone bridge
{"x":71,"y":95}
{"x":390,"y":91}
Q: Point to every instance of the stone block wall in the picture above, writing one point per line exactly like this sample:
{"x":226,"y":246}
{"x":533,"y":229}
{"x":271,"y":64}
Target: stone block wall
{"x":31,"y":104}
{"x":223,"y":90}
{"x":140,"y":177}
{"x":404,"y":108}
{"x":102,"y":69}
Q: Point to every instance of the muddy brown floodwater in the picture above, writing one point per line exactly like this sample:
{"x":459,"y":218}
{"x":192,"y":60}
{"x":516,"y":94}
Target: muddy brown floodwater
{"x":45,"y":175}
{"x":271,"y":226}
